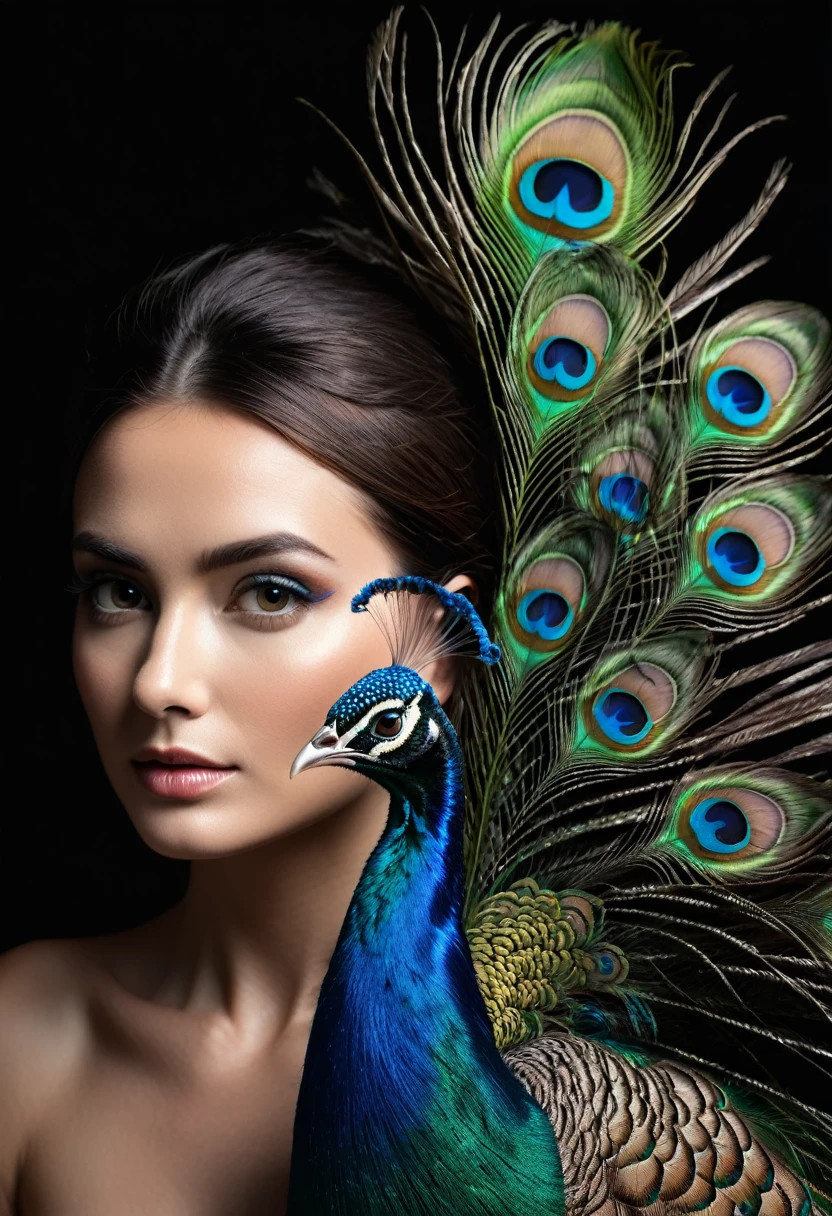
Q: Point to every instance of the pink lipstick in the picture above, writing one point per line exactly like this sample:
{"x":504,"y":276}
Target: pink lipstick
{"x":177,"y":773}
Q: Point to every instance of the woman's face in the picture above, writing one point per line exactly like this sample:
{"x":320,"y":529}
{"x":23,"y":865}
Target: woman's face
{"x":236,"y":656}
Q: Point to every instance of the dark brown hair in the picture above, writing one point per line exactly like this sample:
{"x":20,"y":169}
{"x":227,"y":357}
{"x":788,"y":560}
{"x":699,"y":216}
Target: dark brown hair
{"x":336,"y":366}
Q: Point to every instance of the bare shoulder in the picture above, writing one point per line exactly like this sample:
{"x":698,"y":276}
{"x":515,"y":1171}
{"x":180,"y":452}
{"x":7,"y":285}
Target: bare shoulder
{"x":44,"y":996}
{"x":43,"y":988}
{"x":42,"y":984}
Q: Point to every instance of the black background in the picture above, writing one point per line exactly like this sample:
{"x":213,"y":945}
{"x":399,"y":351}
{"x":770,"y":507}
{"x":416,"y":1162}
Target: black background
{"x":154,"y":131}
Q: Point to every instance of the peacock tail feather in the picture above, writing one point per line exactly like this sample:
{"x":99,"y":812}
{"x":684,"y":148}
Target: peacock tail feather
{"x":647,"y":821}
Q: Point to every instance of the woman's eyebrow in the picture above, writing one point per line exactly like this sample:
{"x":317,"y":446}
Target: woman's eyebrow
{"x":90,"y":542}
{"x":213,"y":559}
{"x":259,"y":546}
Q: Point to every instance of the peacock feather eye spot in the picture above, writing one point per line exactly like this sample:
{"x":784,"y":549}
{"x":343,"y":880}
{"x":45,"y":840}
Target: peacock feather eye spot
{"x":543,"y":602}
{"x":569,"y":363}
{"x":730,"y":826}
{"x":738,"y":396}
{"x":611,"y":966}
{"x":736,"y":557}
{"x":720,"y":826}
{"x":582,"y":183}
{"x":387,"y":725}
{"x":624,"y":495}
{"x":622,"y":716}
{"x":546,"y":613}
{"x":568,"y":191}
{"x":606,"y":963}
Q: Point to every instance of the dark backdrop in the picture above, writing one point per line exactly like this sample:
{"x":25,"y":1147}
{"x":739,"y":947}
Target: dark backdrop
{"x":156,"y":130}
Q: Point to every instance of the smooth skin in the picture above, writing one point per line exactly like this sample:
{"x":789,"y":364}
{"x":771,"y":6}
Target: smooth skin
{"x":155,"y":1072}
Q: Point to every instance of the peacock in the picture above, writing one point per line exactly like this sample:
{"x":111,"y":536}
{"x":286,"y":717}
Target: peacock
{"x":588,"y":966}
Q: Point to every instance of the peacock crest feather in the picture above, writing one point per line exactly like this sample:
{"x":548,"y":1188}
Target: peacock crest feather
{"x":646,"y":818}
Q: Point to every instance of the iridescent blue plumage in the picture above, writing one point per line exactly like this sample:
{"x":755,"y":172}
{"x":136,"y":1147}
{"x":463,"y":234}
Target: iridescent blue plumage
{"x":406,"y":1105}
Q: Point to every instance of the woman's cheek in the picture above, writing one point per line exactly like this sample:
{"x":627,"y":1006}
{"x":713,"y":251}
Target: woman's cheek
{"x":103,"y":668}
{"x":284,"y":697}
{"x":283,"y":700}
{"x":267,"y":695}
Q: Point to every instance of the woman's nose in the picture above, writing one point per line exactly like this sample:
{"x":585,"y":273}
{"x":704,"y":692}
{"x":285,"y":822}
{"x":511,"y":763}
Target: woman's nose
{"x":173,"y":677}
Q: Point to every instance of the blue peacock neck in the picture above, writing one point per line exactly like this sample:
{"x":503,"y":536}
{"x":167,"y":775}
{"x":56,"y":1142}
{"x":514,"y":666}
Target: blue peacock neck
{"x":405,"y":1103}
{"x":412,"y":887}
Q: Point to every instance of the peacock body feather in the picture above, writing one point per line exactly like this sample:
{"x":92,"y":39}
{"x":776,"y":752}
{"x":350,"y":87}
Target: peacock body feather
{"x":638,"y":890}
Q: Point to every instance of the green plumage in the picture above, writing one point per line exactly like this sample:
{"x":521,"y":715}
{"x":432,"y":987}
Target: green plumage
{"x":572,"y":558}
{"x":630,"y":751}
{"x":782,"y":811}
{"x":598,"y":295}
{"x":787,"y":521}
{"x":564,"y":92}
{"x":787,"y":346}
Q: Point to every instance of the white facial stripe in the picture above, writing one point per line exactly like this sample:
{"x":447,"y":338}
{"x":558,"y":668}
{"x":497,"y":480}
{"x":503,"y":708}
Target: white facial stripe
{"x":430,"y":739}
{"x":411,"y":717}
{"x":393,"y":703}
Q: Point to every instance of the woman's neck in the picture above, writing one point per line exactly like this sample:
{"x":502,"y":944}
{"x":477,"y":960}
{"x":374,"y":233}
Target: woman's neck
{"x":252,"y":938}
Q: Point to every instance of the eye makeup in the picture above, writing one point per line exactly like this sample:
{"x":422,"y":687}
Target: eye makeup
{"x":279,"y":596}
{"x":260,"y":587}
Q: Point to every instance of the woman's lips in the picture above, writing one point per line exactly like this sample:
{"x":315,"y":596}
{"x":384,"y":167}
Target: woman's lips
{"x":181,"y":781}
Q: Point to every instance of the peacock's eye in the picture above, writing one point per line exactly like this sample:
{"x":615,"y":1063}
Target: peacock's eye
{"x":735,"y":556}
{"x":627,"y":710}
{"x":565,"y":350}
{"x":747,"y":384}
{"x":546,"y":599}
{"x":738,"y":395}
{"x":387,"y":725}
{"x":731,"y":824}
{"x":622,"y":716}
{"x":545,"y":612}
{"x":741,"y":543}
{"x":609,"y":966}
{"x":568,"y":178}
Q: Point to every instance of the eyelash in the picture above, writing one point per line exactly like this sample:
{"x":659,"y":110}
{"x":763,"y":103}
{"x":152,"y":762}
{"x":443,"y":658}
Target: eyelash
{"x":78,"y":585}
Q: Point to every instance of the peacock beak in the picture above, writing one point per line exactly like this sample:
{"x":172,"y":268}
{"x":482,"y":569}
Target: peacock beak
{"x":325,"y":747}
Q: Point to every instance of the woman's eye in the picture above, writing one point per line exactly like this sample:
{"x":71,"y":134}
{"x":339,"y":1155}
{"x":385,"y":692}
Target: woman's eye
{"x":387,"y":725}
{"x":273,"y":598}
{"x":263,"y":597}
{"x":116,"y":595}
{"x":267,"y":595}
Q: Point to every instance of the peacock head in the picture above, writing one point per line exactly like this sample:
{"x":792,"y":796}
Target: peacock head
{"x":388,"y":720}
{"x":391,"y":720}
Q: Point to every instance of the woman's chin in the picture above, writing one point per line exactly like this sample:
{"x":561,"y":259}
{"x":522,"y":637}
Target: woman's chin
{"x":194,"y":817}
{"x":217,"y":820}
{"x":208,"y":828}
{"x":199,"y":835}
